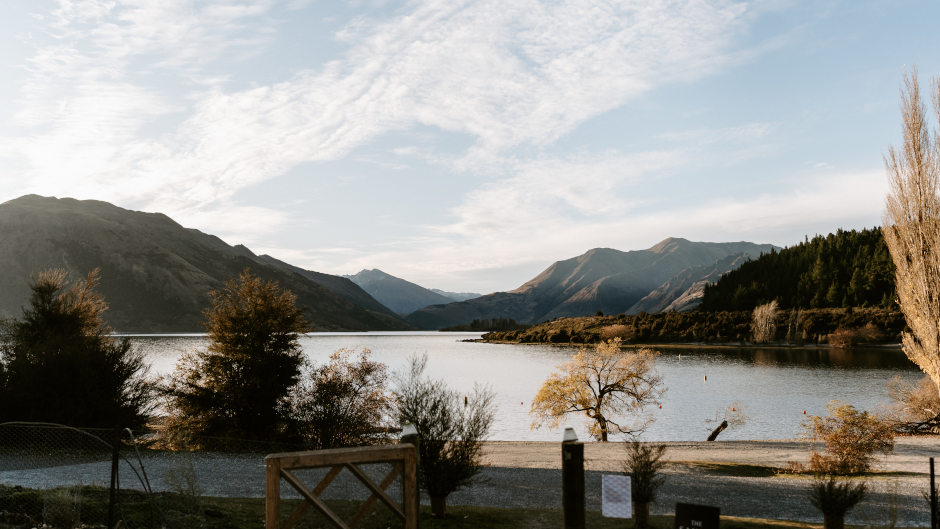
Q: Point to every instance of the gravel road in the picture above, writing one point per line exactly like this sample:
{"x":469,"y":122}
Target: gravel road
{"x":528,"y":475}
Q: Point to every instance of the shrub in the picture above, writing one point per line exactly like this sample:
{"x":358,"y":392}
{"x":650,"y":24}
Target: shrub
{"x":621,"y":331}
{"x":643,"y":465}
{"x":851,"y":439}
{"x":834,"y":499}
{"x":451,"y":430}
{"x":914,"y":402}
{"x":849,"y":337}
{"x":763,"y":322}
{"x":343,"y":402}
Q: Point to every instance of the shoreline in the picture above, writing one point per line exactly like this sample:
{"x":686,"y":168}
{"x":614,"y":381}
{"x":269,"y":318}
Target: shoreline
{"x":910,"y":454}
{"x":704,"y":345}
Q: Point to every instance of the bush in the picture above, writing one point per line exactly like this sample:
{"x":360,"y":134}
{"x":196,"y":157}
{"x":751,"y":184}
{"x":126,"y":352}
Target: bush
{"x":860,"y":335}
{"x":914,"y":403}
{"x":61,"y":365}
{"x":644,"y":464}
{"x":763,"y":322}
{"x":239,"y":386}
{"x":343,"y":402}
{"x":621,"y":331}
{"x":851,"y":439}
{"x":451,"y":430}
{"x":834,"y":499}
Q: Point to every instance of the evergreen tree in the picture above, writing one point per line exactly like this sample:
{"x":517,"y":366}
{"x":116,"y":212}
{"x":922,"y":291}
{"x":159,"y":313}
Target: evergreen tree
{"x":239,"y":386}
{"x":60,"y":364}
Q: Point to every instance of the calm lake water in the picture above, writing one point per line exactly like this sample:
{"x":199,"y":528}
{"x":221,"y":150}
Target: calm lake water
{"x":775,"y":385}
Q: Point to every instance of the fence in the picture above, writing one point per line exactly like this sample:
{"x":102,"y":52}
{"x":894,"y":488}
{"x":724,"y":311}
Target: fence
{"x":60,"y":476}
{"x":285,"y":466}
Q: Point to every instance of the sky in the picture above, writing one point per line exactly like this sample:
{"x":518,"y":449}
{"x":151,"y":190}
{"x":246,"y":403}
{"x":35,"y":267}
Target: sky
{"x":462,"y":145}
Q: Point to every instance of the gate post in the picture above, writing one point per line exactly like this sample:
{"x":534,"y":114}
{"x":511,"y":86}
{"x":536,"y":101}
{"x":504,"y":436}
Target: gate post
{"x":572,"y":480}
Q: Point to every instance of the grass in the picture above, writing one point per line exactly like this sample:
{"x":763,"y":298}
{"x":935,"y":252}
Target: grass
{"x":21,"y":508}
{"x":734,"y":469}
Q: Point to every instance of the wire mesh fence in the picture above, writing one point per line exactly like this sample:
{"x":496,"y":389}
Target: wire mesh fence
{"x":54,"y":476}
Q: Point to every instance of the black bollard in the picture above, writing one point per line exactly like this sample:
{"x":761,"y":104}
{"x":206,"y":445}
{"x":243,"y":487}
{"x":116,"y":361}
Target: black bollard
{"x":933,"y":498}
{"x":572,"y":480}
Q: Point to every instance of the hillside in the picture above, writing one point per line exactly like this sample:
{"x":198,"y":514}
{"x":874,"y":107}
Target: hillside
{"x":402,"y":297}
{"x":155,"y":274}
{"x":842,"y":269}
{"x":602,"y":279}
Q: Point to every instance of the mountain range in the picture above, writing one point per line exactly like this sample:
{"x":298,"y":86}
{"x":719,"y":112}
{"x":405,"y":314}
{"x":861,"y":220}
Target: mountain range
{"x":669,"y":275}
{"x":403,"y":297}
{"x":155,"y":274}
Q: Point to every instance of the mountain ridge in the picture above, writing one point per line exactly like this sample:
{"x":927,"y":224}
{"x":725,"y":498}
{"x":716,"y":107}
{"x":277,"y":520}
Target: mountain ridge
{"x":599,"y":280}
{"x":155,"y":274}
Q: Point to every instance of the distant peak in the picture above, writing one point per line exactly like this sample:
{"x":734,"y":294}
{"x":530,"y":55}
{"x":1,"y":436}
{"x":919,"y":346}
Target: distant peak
{"x":30,"y":199}
{"x":669,"y":242}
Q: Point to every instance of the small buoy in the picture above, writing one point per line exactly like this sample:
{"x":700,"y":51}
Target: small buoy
{"x":660,"y":406}
{"x":520,"y":403}
{"x":732,"y":409}
{"x":804,"y":412}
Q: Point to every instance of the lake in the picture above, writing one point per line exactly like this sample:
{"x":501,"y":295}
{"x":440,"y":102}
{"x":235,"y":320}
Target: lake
{"x":775,"y":385}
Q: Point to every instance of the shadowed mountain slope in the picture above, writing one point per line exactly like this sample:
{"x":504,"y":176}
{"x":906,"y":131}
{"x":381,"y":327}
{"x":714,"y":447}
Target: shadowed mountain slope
{"x":602,"y":279}
{"x":155,"y":274}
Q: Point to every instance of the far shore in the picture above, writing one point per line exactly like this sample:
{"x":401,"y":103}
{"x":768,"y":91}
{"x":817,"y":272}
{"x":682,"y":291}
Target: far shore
{"x":707,"y":345}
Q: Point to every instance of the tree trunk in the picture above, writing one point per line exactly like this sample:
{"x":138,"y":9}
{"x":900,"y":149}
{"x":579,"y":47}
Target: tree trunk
{"x":602,"y":425}
{"x":721,"y":427}
{"x":641,"y":514}
{"x":833,"y":521}
{"x":439,"y":506}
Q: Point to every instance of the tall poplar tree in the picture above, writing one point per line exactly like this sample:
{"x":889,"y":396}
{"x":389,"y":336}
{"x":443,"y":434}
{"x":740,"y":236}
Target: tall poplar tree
{"x":912,"y":227}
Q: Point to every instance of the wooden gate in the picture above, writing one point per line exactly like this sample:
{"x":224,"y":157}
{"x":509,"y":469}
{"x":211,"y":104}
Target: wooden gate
{"x":280,"y":466}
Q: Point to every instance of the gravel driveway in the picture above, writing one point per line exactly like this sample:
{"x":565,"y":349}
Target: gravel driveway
{"x":530,"y":484}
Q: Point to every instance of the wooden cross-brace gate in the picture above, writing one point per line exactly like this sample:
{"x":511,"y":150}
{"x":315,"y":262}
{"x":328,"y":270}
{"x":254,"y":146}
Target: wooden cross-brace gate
{"x":280,"y":466}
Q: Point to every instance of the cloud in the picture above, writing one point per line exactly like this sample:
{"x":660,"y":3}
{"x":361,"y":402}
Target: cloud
{"x":522,"y":73}
{"x":528,"y":234}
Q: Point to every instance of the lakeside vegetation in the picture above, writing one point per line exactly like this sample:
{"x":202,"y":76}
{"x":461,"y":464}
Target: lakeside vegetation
{"x":834,"y":326}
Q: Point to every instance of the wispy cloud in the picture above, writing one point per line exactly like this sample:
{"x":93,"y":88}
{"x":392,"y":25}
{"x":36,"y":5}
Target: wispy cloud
{"x":783,"y":218}
{"x":522,"y":73}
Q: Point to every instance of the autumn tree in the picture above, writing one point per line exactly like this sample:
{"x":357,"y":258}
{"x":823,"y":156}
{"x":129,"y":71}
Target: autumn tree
{"x":850,"y":437}
{"x":763,"y":322}
{"x":342,"y":402}
{"x":60,"y":363}
{"x":912,"y":227}
{"x":608,"y":385}
{"x":239,"y":385}
{"x":451,"y":430}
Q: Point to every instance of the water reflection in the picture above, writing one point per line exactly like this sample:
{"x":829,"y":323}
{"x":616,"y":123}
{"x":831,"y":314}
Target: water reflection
{"x":776,"y":384}
{"x":856,"y":358}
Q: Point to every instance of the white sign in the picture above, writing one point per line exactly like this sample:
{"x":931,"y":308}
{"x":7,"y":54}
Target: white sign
{"x":615,"y":496}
